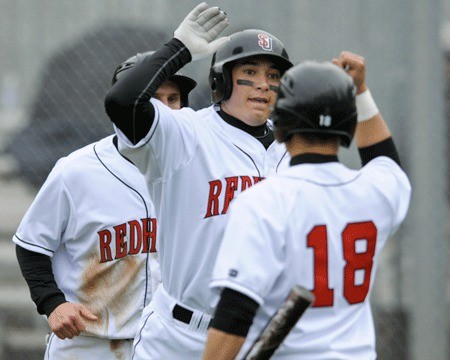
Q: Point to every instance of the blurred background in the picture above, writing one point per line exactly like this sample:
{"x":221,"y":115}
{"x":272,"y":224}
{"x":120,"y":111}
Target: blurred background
{"x":57,"y":58}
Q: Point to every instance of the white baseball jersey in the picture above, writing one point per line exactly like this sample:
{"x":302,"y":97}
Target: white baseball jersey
{"x":322,"y":226}
{"x":195,"y":164}
{"x":93,"y":216}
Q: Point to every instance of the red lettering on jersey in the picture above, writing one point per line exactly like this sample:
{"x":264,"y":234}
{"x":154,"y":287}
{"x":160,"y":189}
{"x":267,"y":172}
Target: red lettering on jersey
{"x":257,"y":179}
{"x":246,"y":182}
{"x":232,"y":183}
{"x":149,"y":235}
{"x":105,"y":241}
{"x":231,"y":186}
{"x":131,"y":238}
{"x":135,"y":238}
{"x":121,"y":244}
{"x":215,"y":188}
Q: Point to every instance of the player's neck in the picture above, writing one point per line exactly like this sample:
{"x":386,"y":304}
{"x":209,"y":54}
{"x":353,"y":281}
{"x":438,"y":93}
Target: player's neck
{"x":298,"y":146}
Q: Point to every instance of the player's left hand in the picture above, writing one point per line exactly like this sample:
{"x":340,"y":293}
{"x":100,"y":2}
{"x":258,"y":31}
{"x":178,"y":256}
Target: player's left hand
{"x":355,"y":66}
{"x":200,"y":28}
{"x":69,"y":320}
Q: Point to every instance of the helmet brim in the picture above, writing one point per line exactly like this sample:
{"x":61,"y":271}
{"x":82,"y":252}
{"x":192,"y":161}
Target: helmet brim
{"x":185,"y":83}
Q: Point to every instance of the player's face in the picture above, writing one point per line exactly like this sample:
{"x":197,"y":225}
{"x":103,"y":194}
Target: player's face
{"x":169,"y":94}
{"x":255,"y":82}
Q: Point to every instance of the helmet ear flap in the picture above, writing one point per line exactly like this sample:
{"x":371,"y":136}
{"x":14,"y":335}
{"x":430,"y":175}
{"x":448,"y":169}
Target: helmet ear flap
{"x":214,"y":84}
{"x":221,"y":84}
{"x":216,"y":94}
{"x":227,"y":80}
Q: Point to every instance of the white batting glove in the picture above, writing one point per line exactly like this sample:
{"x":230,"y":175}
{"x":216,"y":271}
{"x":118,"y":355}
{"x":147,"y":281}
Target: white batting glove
{"x":200,"y":28}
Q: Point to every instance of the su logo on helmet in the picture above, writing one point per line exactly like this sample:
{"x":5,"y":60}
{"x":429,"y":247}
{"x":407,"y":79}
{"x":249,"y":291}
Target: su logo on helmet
{"x":265,"y":42}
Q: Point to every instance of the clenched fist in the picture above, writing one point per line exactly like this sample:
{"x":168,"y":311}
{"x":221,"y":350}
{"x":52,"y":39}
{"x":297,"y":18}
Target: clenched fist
{"x":69,"y":320}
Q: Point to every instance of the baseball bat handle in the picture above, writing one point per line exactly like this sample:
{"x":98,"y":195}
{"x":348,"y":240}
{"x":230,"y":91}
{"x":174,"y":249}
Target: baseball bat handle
{"x":279,"y":326}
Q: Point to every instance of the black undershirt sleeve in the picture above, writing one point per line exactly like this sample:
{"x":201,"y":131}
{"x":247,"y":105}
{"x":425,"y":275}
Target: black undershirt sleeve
{"x":128,"y":101}
{"x":383,"y":148}
{"x":37,"y":270}
{"x":234,"y":313}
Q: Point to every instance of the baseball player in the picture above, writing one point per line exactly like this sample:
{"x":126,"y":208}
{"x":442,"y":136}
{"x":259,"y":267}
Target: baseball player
{"x":196,"y":162}
{"x":318,"y":224}
{"x":87,"y":244}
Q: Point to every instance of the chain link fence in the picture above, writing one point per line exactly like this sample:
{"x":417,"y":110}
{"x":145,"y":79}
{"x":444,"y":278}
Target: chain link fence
{"x":58,"y":57}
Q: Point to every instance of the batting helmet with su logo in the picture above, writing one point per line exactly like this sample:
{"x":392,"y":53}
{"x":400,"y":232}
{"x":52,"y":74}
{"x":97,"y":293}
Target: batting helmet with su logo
{"x":243,"y":44}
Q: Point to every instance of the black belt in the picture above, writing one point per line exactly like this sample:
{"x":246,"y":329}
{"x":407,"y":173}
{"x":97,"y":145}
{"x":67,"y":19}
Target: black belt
{"x":182,"y":314}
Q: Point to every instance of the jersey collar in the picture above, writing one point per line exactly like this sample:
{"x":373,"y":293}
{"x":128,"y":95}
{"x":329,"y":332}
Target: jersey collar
{"x":263,"y":133}
{"x":313,"y":159}
{"x":116,"y":145}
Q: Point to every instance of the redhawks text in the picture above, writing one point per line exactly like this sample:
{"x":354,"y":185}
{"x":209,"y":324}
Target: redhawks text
{"x":128,"y":238}
{"x":231,"y":185}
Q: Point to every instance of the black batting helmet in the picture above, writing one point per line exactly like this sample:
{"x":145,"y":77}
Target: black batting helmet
{"x":185,"y":83}
{"x":316,"y":98}
{"x":243,"y":44}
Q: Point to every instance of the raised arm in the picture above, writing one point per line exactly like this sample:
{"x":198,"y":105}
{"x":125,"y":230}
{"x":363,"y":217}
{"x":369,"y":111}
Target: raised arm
{"x":373,"y":137}
{"x":127,"y":103}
